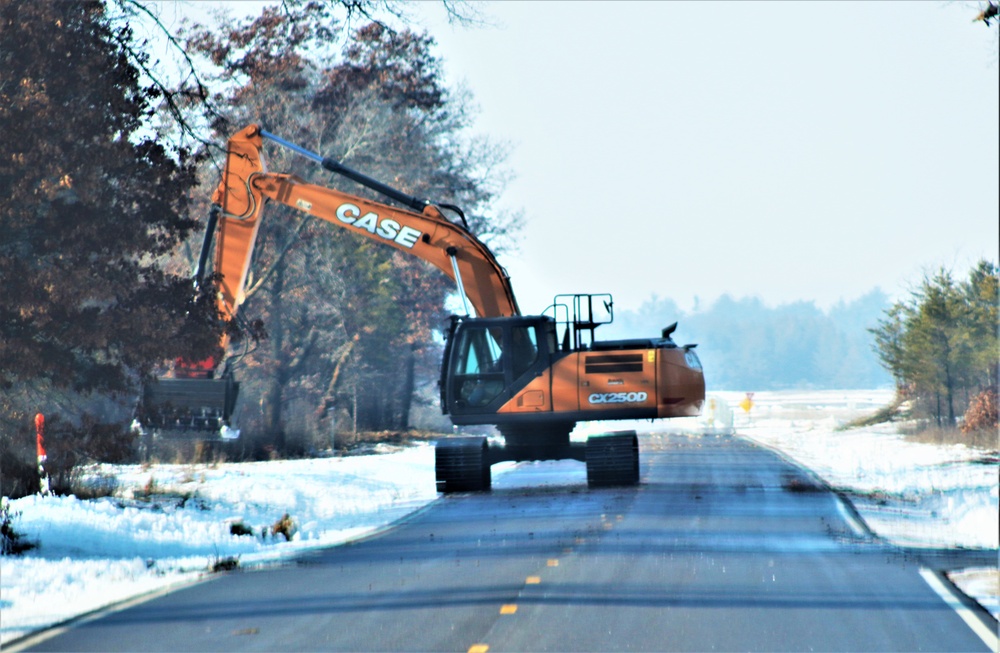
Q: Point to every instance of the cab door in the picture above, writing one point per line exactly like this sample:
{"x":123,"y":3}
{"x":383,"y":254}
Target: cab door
{"x":476,"y":376}
{"x":531,"y":389}
{"x":490,"y":364}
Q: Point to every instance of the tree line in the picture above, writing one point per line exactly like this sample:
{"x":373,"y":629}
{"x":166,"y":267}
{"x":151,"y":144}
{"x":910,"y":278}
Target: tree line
{"x":746,"y":345}
{"x":106,"y":170}
{"x":938,"y":347}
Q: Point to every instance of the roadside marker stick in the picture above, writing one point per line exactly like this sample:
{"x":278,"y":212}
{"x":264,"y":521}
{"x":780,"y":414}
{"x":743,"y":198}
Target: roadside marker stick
{"x":43,"y":476}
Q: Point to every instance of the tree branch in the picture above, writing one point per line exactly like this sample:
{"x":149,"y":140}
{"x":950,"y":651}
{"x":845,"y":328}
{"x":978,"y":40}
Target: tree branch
{"x":200,"y":95}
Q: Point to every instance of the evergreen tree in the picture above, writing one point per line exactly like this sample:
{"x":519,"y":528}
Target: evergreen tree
{"x":936,"y":345}
{"x":941,"y":344}
{"x":982,"y":292}
{"x":888,"y":334}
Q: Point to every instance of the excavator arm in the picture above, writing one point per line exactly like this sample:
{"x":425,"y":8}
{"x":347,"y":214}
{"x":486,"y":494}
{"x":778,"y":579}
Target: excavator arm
{"x":246,"y":186}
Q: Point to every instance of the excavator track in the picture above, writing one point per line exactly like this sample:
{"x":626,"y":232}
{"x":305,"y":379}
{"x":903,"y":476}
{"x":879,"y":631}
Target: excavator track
{"x":462,"y":464}
{"x":613,"y":459}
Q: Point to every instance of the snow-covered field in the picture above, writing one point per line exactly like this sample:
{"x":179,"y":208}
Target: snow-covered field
{"x":168,"y":525}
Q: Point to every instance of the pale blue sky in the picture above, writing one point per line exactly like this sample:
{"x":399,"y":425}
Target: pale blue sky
{"x":785,"y":150}
{"x":792,"y":151}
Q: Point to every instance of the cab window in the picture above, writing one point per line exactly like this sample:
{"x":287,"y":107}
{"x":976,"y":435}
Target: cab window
{"x":524,"y":349}
{"x":489,"y":359}
{"x":477,"y":373}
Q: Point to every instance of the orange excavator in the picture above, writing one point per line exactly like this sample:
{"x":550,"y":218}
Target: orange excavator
{"x":532,"y":376}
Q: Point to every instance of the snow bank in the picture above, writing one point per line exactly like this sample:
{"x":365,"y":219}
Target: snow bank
{"x":93,"y":554}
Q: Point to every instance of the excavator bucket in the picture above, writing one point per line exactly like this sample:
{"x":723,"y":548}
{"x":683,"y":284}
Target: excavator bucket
{"x":189,"y":407}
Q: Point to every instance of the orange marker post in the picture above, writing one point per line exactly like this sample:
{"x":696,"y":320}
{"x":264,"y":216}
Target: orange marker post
{"x":43,"y":477}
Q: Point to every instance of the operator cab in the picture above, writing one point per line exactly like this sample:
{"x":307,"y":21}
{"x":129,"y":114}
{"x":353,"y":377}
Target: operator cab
{"x":487,"y":360}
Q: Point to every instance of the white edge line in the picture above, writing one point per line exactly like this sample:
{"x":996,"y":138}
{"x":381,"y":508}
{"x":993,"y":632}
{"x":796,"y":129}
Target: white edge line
{"x":849,"y":517}
{"x":854,"y":520}
{"x":948,"y":596}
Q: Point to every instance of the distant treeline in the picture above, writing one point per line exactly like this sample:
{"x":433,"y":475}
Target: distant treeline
{"x":747,"y":345}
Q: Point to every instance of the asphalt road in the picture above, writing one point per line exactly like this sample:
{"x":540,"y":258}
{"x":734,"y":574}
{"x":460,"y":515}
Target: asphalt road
{"x":723,"y":546}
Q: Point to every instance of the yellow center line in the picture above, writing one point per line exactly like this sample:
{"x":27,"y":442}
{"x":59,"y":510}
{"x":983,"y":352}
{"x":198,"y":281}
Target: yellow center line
{"x":509,"y":608}
{"x":533,"y":580}
{"x":479,"y":648}
{"x":552,"y":563}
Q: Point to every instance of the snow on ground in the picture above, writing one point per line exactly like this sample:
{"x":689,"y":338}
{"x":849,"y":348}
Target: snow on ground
{"x":948,"y":492}
{"x":911,"y":494}
{"x":167,"y":525}
{"x":96,"y":553}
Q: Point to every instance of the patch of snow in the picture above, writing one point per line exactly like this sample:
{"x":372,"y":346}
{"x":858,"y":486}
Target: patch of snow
{"x":96,"y":553}
{"x":981,"y":584}
{"x":912,"y":494}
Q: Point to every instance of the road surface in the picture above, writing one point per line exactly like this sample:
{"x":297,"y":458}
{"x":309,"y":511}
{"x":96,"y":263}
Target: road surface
{"x":724,"y":546}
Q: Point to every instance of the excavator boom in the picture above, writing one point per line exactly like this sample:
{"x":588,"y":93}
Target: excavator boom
{"x":428,"y":235}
